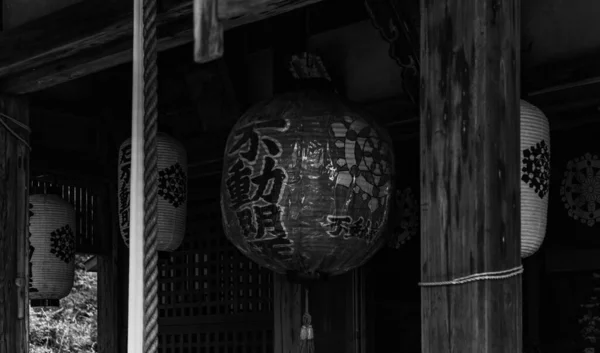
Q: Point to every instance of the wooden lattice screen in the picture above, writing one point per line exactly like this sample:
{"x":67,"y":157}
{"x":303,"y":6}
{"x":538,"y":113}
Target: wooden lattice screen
{"x":83,"y":198}
{"x":212,"y":299}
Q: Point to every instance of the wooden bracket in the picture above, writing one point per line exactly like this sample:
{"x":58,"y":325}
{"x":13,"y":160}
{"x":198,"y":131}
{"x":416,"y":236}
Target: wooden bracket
{"x":208,"y":31}
{"x":398,"y":23}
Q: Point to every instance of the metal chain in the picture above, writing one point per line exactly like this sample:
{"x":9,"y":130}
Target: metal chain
{"x":150,"y":177}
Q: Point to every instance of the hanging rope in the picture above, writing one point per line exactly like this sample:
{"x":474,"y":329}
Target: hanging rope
{"x":150,"y":178}
{"x":307,"y":335}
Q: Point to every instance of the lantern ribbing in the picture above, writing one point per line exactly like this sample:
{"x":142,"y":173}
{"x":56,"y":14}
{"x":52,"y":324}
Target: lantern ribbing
{"x":150,"y":178}
{"x":307,"y":180}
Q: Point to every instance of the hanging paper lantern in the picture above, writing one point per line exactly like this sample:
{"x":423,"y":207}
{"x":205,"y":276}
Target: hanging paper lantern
{"x":172,"y":191}
{"x":51,"y":249}
{"x":535,"y":177}
{"x":307,"y":184}
{"x":580,"y":189}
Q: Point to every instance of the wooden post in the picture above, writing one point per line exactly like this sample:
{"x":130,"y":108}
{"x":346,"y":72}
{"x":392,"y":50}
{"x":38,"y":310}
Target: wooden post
{"x":110,"y":309}
{"x":287,"y":301}
{"x":470,"y":200}
{"x":14,"y":215}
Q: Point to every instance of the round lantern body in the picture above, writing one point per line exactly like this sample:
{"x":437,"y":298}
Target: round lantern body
{"x":535,"y":177}
{"x":172,"y":191}
{"x":51,"y":249}
{"x":307,"y":184}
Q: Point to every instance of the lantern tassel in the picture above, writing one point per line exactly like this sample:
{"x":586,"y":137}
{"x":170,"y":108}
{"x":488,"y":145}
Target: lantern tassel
{"x":307,"y":335}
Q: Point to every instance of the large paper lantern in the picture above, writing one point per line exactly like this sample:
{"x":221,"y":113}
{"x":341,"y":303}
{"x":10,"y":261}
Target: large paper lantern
{"x":307,"y":184}
{"x":172,"y":191}
{"x":535,"y":177}
{"x":51,"y":249}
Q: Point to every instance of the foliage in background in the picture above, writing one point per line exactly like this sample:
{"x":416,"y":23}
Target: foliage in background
{"x":73,"y":326}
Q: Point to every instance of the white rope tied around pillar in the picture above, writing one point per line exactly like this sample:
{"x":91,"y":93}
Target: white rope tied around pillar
{"x":13,"y":132}
{"x":484,"y":276}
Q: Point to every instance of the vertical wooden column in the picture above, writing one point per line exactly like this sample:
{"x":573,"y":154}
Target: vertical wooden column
{"x":14,"y":215}
{"x":109,"y":301}
{"x":470,"y":199}
{"x":287,"y":302}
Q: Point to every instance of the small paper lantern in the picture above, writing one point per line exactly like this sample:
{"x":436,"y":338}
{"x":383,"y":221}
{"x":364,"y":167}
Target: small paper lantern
{"x":535,"y":177}
{"x":307,"y":184}
{"x":580,"y":189}
{"x":51,"y":249}
{"x":172,"y":191}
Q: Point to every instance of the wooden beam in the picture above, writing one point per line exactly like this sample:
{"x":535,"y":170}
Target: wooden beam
{"x":14,"y":215}
{"x":91,"y":265}
{"x":470,"y":198}
{"x":287,"y":302}
{"x":562,"y":75}
{"x":92,"y":36}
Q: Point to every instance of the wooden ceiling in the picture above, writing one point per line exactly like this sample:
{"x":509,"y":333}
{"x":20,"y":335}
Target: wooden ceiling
{"x":560,"y":39}
{"x":75,"y":61}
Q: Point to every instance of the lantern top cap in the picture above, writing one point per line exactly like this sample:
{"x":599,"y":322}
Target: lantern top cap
{"x":307,"y":66}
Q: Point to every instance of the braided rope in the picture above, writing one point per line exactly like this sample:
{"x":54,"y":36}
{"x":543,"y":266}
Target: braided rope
{"x":493,"y":275}
{"x":150,"y":177}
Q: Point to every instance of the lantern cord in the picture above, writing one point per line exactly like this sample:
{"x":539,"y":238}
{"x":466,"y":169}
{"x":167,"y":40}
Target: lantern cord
{"x":150,"y":95}
{"x":13,"y":132}
{"x":307,"y":343}
{"x":477,"y":277}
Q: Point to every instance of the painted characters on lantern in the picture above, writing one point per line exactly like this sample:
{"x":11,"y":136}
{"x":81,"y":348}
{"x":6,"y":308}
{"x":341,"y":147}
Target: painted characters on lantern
{"x":255,"y":193}
{"x":306,"y":191}
{"x":346,"y":227}
{"x":171,"y":190}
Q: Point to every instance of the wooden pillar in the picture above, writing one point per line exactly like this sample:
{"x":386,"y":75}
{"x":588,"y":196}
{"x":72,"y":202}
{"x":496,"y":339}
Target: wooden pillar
{"x":109,"y":300}
{"x":470,"y":200}
{"x":14,"y":215}
{"x":287,"y":302}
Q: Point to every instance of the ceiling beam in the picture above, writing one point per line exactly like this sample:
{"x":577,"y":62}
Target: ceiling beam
{"x":94,"y":35}
{"x":561,"y":75}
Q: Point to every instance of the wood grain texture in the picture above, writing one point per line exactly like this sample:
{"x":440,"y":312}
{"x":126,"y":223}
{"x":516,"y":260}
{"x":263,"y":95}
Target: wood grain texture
{"x":14,"y":215}
{"x":109,"y":313}
{"x":287,"y":305}
{"x":91,"y":36}
{"x":470,"y":200}
{"x":208,"y":31}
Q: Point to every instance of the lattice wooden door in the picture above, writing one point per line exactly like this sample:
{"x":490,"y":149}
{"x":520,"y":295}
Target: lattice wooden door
{"x":212,"y":299}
